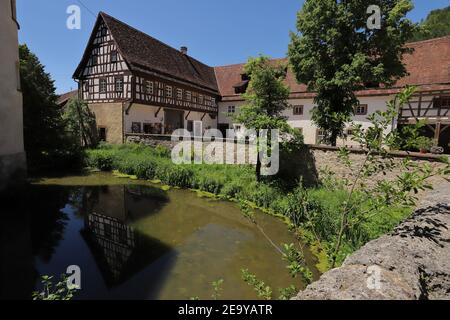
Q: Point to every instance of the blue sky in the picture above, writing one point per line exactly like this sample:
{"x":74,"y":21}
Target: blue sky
{"x":217,"y":32}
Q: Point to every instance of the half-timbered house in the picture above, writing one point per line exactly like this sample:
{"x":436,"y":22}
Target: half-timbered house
{"x":136,"y":84}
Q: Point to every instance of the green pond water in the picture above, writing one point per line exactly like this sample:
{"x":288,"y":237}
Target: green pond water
{"x":134,"y":240}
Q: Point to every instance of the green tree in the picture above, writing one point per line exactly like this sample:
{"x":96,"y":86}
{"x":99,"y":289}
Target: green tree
{"x":265,"y":100}
{"x":47,"y":144}
{"x":436,"y":24}
{"x":80,"y":122}
{"x":336,"y":54}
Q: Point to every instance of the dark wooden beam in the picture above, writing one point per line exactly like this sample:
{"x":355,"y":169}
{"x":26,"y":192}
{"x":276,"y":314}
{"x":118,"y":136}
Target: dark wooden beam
{"x":156,"y":113}
{"x":185,"y":118}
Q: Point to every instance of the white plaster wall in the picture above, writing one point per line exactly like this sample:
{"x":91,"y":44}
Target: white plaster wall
{"x":197,"y":116}
{"x":11,"y":117}
{"x":304,"y":121}
{"x":142,"y":113}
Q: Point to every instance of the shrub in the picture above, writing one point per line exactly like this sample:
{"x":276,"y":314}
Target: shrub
{"x":212,"y":184}
{"x":101,"y":159}
{"x":174,"y":175}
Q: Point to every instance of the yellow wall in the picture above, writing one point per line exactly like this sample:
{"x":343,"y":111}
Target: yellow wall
{"x":109,"y":116}
{"x":12,"y":156}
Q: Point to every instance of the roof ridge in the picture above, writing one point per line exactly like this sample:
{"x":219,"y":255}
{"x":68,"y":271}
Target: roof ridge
{"x":429,"y":40}
{"x":243,"y":63}
{"x":149,"y":36}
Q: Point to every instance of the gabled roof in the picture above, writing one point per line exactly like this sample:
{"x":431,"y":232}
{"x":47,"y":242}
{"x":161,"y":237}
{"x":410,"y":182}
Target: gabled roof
{"x":144,"y":53}
{"x":65,"y":97}
{"x":428,"y":67}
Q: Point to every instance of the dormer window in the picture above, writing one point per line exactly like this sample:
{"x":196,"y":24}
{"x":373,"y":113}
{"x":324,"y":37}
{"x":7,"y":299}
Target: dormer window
{"x":114,"y":56}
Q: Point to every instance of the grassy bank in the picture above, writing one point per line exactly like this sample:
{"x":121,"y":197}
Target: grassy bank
{"x":314,"y":210}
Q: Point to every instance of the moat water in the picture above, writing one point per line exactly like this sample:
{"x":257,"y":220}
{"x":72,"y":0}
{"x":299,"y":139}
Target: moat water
{"x":134,"y":240}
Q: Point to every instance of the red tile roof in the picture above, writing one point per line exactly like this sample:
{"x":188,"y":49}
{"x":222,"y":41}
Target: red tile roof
{"x":65,"y":97}
{"x":428,"y":68}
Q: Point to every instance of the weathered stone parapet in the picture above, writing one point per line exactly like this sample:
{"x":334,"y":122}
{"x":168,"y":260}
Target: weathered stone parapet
{"x":326,"y":157}
{"x":410,"y":263}
{"x":12,"y":170}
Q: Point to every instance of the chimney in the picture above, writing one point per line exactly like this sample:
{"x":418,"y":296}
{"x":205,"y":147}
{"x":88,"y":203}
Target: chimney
{"x":184,"y":50}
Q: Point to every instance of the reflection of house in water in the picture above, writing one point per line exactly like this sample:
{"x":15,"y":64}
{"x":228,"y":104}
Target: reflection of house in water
{"x":119,"y":250}
{"x":115,"y":240}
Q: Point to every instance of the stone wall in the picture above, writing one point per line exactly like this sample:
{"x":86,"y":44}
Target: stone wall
{"x":327,"y":157}
{"x":410,"y":263}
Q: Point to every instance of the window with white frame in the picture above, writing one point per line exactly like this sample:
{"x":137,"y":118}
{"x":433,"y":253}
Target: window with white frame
{"x":298,"y":110}
{"x":119,"y":84}
{"x":103,"y":85}
{"x":188,"y":96}
{"x":361,"y":109}
{"x":179,"y":94}
{"x":201,"y":99}
{"x":149,"y":87}
{"x":169,"y":91}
